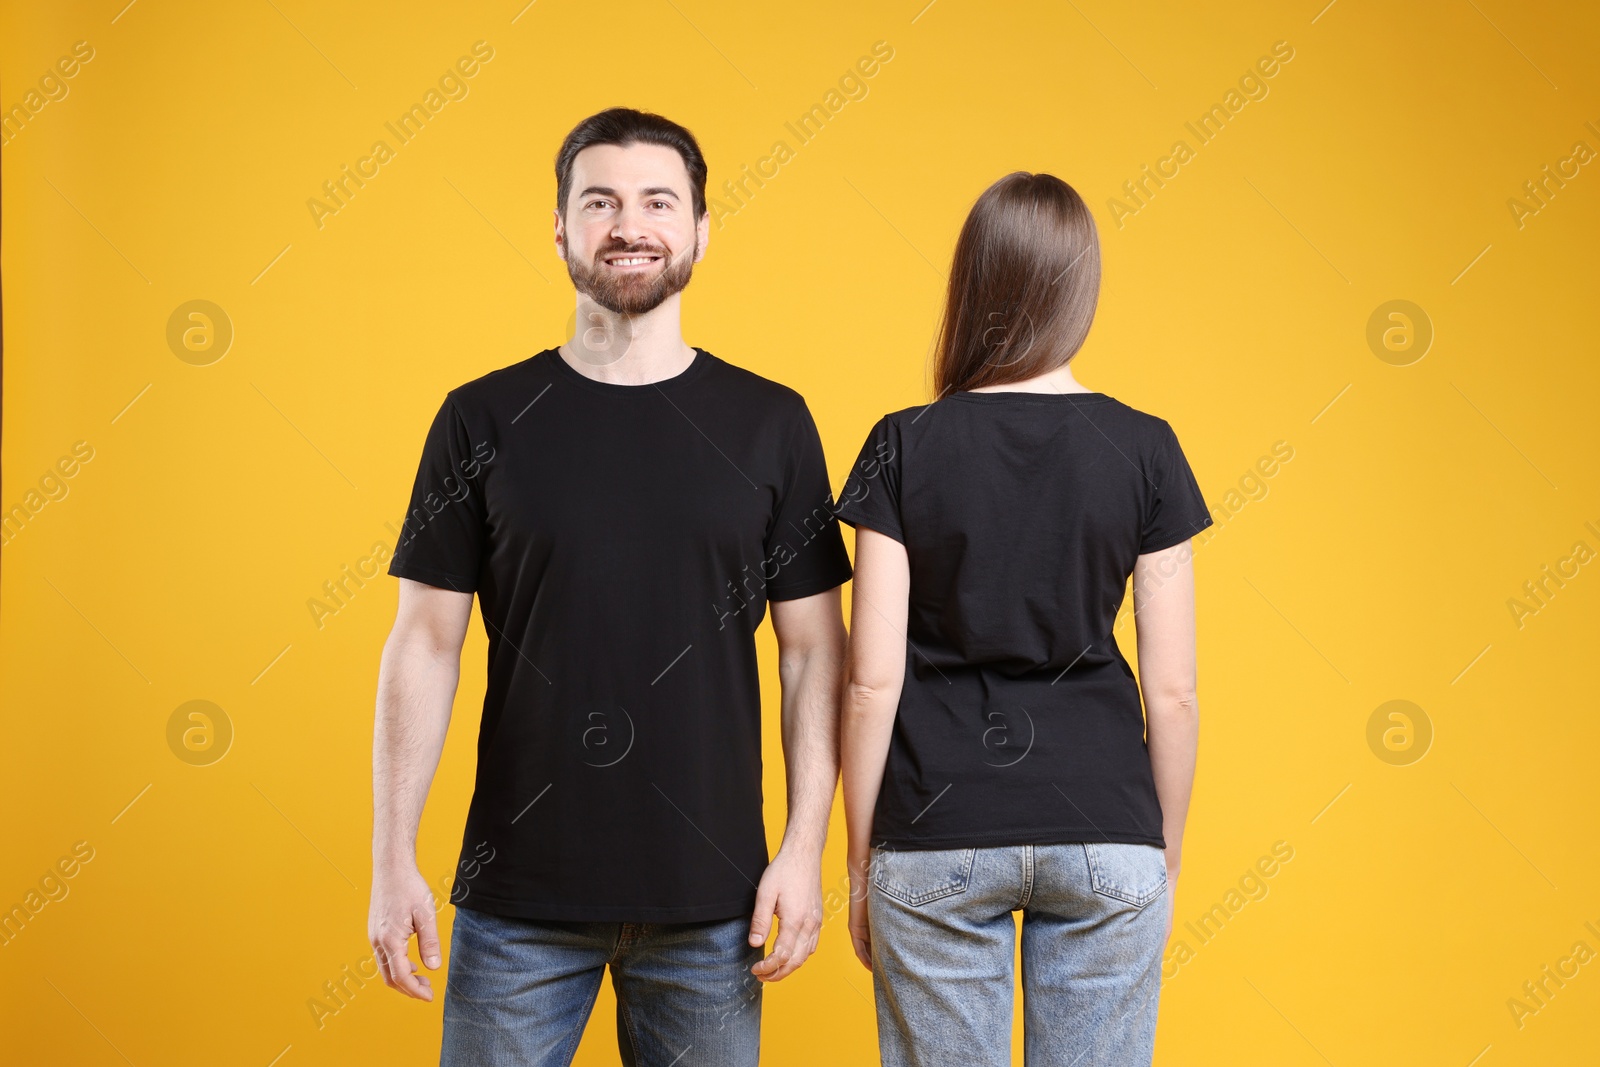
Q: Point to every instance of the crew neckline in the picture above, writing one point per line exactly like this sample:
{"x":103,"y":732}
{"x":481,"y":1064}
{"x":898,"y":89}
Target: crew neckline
{"x":702,"y":360}
{"x":1002,"y":395}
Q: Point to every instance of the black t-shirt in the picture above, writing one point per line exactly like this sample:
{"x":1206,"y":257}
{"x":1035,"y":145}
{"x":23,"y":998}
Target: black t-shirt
{"x":1022,"y":515}
{"x":623,"y":541}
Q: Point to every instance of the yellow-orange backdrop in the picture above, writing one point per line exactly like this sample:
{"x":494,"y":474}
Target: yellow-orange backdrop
{"x":1405,"y":493}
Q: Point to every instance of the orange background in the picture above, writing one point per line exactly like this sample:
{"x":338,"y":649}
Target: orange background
{"x":1381,"y":562}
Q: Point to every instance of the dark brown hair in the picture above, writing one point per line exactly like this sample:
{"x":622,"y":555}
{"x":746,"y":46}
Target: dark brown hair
{"x":1024,"y":282}
{"x":623,"y":126}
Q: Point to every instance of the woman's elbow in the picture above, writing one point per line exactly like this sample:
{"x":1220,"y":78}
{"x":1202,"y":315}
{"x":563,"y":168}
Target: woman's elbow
{"x":864,"y":697}
{"x":1182,"y":704}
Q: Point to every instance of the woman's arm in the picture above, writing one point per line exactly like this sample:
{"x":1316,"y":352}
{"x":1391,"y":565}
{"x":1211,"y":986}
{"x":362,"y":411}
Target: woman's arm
{"x":1163,"y":607}
{"x":874,"y":673}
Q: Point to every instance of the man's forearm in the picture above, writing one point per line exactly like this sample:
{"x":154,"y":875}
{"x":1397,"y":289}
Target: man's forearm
{"x":811,"y":741}
{"x":416,"y":689}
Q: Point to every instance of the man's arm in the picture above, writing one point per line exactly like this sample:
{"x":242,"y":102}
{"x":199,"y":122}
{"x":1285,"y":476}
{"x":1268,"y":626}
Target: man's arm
{"x":874,"y":677}
{"x":810,"y":634}
{"x":1163,"y":603}
{"x":416,"y":687}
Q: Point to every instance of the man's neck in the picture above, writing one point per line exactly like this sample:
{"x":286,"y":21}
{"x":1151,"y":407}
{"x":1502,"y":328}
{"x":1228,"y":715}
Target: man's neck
{"x":628,"y":349}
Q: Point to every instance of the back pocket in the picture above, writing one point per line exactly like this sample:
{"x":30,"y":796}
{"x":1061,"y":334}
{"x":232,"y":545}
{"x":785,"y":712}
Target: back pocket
{"x":918,"y":878}
{"x":1133,"y":874}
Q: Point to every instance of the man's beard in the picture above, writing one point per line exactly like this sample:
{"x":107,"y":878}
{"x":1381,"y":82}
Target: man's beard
{"x":630,"y":294}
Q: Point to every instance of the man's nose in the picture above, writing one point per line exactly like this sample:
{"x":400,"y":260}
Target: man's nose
{"x":629,"y":226}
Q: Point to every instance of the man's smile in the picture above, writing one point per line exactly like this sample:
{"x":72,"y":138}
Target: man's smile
{"x":631,"y":261}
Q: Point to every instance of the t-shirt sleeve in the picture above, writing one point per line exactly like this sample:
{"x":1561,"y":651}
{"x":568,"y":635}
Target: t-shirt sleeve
{"x":1177,"y":510}
{"x":442,"y":541}
{"x":804,"y":541}
{"x":871,"y":494}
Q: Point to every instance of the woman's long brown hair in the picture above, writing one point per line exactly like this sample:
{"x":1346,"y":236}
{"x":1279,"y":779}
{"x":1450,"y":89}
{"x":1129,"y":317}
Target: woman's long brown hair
{"x":1023,"y":285}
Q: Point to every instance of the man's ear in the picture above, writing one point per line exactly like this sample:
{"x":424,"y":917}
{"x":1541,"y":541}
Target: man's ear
{"x":703,"y":234}
{"x":561,"y":235}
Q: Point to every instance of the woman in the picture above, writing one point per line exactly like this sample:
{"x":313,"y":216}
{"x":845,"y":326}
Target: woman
{"x":994,"y":749}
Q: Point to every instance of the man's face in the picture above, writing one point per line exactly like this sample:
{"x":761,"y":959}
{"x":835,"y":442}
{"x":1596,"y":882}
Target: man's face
{"x":629,"y":235}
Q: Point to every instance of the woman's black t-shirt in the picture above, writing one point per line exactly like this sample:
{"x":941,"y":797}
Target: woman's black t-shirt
{"x":1022,"y":514}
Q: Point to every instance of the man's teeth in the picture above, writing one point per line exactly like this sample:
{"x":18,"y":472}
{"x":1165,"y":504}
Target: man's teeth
{"x":632,"y":262}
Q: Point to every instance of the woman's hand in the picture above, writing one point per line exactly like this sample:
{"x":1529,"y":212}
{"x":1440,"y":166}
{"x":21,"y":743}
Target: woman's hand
{"x":860,"y":931}
{"x":1173,"y":863}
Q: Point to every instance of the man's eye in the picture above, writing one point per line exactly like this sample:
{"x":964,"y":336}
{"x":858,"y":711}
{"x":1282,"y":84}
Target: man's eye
{"x":660,"y":203}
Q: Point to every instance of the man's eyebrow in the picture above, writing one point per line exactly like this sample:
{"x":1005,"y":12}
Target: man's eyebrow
{"x":655,"y":190}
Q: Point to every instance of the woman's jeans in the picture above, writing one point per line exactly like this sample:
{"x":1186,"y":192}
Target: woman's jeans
{"x":520,"y":992}
{"x":1094,"y":923}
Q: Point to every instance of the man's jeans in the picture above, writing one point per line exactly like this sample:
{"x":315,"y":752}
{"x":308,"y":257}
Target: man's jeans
{"x":520,"y":992}
{"x":1094,"y":919}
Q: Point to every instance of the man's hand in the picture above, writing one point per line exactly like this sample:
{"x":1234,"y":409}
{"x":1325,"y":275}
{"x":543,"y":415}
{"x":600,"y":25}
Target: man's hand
{"x":791,"y":887}
{"x":403,"y":906}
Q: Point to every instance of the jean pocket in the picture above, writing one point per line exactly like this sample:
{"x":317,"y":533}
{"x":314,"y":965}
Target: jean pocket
{"x":1133,"y":874}
{"x":921,"y":877}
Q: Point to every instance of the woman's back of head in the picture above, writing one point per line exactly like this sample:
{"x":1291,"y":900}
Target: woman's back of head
{"x":1024,"y":283}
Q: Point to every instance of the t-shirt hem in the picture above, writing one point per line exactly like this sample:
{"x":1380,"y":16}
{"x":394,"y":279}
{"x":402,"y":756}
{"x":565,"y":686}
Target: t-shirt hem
{"x":1180,"y":539}
{"x":860,"y":518}
{"x":811,"y":588}
{"x":438,"y":579}
{"x":1071,"y":835}
{"x":524,"y":909}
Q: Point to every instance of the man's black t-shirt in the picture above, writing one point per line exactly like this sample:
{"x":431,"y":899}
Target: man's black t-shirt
{"x":1022,"y":515}
{"x":623,"y":541}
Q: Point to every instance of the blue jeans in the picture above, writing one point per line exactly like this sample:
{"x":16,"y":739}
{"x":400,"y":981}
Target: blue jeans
{"x":519,"y":992}
{"x":1094,"y":920}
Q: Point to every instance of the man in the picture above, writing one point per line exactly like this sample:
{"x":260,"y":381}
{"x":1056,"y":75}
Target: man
{"x":625,"y":507}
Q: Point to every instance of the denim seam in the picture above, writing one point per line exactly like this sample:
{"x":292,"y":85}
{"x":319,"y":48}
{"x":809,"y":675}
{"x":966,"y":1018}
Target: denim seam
{"x":1027,"y":876}
{"x":576,"y":1036}
{"x":627,"y":1020}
